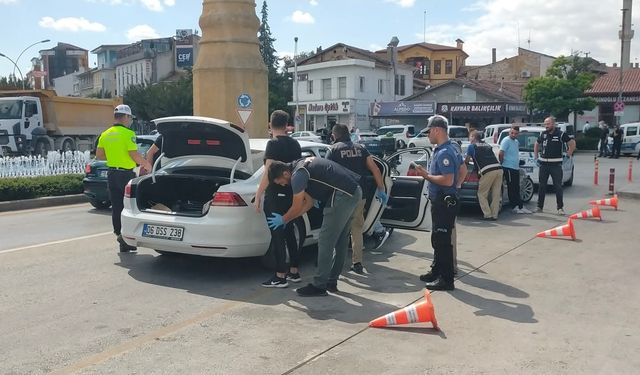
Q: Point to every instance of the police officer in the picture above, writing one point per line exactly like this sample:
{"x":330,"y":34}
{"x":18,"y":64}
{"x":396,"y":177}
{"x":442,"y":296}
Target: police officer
{"x":547,"y":152}
{"x":446,"y":171}
{"x":357,"y":159}
{"x":320,"y":180}
{"x":490,"y":172}
{"x":117,"y":145}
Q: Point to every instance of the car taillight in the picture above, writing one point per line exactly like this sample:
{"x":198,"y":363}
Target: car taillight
{"x":127,"y":190}
{"x":227,"y":199}
{"x":87,"y":169}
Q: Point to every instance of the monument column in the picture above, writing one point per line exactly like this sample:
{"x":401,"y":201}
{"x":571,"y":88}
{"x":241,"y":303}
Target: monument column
{"x":229,"y":76}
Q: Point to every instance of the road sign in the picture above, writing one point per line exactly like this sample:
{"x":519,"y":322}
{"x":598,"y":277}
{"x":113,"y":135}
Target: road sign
{"x":618,"y":108}
{"x":244,"y":101}
{"x":244,"y":115}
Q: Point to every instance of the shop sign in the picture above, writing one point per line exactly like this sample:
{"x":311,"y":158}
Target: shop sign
{"x":471,"y":108}
{"x":330,"y":107}
{"x":613,"y":99}
{"x":416,"y":108}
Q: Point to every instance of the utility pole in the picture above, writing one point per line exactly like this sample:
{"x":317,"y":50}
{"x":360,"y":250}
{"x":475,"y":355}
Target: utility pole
{"x":424,"y":38}
{"x":296,"y":122}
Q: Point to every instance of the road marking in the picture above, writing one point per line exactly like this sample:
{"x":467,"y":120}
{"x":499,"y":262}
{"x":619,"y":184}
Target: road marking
{"x":31,"y":210}
{"x":53,"y":243}
{"x":138,"y":342}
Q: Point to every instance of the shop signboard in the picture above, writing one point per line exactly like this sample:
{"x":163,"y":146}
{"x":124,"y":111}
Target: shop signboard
{"x":408,"y":108}
{"x":335,"y":107}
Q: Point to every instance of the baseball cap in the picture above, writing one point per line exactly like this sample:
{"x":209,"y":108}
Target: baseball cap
{"x":123,"y":109}
{"x":437,"y":121}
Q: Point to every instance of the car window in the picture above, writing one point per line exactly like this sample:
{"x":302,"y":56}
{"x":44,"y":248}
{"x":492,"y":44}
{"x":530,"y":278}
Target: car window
{"x":458,"y":133}
{"x":502,"y":136}
{"x":527,"y":140}
{"x":295,"y":135}
{"x":307,"y":153}
{"x":322,"y":152}
{"x":143,"y":147}
{"x":632,"y":130}
{"x":383,"y":131}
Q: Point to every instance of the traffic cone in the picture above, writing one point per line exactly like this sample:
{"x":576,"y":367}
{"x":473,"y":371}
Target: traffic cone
{"x":563,"y":230}
{"x":613,"y":202}
{"x":593,"y":212}
{"x":420,"y":312}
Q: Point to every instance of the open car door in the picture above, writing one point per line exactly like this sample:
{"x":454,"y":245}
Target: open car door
{"x":409,"y":199}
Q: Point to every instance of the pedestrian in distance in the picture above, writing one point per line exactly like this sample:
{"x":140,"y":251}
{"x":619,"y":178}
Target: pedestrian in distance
{"x":617,"y":142}
{"x":586,"y":127}
{"x":548,"y":154}
{"x":446,"y":169}
{"x":510,"y":159}
{"x":278,"y":199}
{"x":315,"y":180}
{"x":604,"y":138}
{"x":490,"y":172}
{"x":357,"y":159}
{"x":117,"y":145}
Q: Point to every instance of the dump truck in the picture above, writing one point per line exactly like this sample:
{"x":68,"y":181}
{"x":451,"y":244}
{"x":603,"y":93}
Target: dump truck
{"x":39,"y":121}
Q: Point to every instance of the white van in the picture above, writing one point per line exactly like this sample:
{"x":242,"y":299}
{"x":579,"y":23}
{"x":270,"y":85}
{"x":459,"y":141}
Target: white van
{"x":630,"y":139}
{"x":492,"y":132}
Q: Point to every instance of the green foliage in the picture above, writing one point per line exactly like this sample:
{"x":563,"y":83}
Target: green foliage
{"x":561,"y":91}
{"x":584,"y":142}
{"x":149,"y":102}
{"x":36,"y":187}
{"x":13,"y":83}
{"x":593,"y":132}
{"x":267,"y":50}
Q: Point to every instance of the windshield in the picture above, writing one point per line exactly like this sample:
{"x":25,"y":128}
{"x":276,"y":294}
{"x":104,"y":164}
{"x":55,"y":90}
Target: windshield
{"x":383,"y":131}
{"x":527,"y":140}
{"x":459,"y":133}
{"x":10,"y":109}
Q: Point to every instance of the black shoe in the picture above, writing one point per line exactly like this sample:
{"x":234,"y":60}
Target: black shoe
{"x":311,"y":291}
{"x":275,"y":282}
{"x":294,"y":277}
{"x":380,"y":239}
{"x":439,"y":284}
{"x":357,"y":268}
{"x":125,"y":247}
{"x":332,"y":287}
{"x":428,"y":277}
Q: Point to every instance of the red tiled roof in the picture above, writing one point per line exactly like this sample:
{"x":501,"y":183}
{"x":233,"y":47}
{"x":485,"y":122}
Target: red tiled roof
{"x":610,"y":82}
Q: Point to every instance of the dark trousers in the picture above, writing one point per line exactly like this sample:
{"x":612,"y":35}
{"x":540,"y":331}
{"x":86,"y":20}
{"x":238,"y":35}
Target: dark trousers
{"x":116,"y":181}
{"x":603,"y":148}
{"x":443,"y":218}
{"x":615,"y":152}
{"x":513,"y":186}
{"x":555,"y":171}
{"x":278,"y":200}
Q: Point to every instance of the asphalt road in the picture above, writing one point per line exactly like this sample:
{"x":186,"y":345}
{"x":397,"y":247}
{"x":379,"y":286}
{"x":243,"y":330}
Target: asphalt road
{"x":69,"y":303}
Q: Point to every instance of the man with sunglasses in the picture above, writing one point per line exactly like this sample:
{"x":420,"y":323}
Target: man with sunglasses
{"x":446,"y":169}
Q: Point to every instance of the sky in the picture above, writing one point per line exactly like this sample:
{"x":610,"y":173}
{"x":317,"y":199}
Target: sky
{"x":554,"y":27}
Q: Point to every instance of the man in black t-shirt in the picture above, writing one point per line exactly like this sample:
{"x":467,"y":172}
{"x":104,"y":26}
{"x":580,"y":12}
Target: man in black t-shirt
{"x":617,"y":142}
{"x":277,"y":199}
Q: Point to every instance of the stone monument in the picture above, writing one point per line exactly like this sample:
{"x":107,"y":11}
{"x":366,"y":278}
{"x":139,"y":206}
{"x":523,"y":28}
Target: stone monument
{"x":229,"y":76}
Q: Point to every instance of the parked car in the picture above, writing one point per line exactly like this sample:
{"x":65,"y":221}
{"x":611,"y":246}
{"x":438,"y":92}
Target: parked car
{"x":402,"y":133}
{"x":306,"y":136}
{"x":527,"y":138}
{"x":95,"y":175}
{"x":200,"y":201}
{"x":492,"y":132}
{"x":377,"y":145}
{"x":630,"y":139}
{"x":456,"y":133}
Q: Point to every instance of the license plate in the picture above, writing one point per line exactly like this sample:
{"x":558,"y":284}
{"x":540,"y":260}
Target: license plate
{"x":162,"y":231}
{"x":103,"y":174}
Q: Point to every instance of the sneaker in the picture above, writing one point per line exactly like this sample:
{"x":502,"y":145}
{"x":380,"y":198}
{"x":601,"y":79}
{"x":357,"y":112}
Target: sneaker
{"x":524,"y":210}
{"x":516,"y":210}
{"x":561,"y":212}
{"x":332,"y":287}
{"x":294,"y":277}
{"x":125,"y":247}
{"x":311,"y":291}
{"x":538,"y":209}
{"x":275,"y":282}
{"x":357,"y":268}
{"x":380,"y":239}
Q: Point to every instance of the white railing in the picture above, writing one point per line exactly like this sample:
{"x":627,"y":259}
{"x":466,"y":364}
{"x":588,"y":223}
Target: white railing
{"x":54,"y":164}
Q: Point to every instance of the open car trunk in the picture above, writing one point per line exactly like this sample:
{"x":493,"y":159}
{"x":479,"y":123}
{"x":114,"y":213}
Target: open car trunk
{"x":184,"y":192}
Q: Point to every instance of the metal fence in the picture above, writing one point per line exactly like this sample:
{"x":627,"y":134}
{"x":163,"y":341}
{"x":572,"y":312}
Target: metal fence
{"x":54,"y":164}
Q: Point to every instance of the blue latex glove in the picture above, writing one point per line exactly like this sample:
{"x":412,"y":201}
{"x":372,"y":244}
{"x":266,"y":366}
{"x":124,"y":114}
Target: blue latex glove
{"x":275,"y":221}
{"x":382,"y":196}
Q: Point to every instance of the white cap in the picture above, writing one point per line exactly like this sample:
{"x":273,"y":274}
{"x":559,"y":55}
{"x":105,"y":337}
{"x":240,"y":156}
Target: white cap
{"x":123,"y":109}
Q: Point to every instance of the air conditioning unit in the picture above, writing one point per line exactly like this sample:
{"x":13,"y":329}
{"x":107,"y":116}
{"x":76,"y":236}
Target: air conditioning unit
{"x":525,"y":74}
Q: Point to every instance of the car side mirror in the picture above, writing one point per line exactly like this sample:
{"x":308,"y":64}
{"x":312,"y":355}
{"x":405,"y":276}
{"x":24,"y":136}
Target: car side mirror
{"x":521,"y":163}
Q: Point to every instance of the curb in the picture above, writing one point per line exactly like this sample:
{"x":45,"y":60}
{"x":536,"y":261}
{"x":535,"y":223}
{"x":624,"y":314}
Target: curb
{"x":27,"y":204}
{"x":629,"y":194}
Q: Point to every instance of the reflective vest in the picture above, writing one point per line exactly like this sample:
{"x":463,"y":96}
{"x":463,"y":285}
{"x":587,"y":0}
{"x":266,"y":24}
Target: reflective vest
{"x":326,"y":177}
{"x":485,"y":159}
{"x":551,"y":151}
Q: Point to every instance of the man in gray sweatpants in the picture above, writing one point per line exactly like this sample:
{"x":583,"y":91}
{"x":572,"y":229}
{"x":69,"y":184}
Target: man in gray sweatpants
{"x":315,"y":180}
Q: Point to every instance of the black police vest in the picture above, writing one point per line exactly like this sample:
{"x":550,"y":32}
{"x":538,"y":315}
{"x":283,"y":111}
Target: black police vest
{"x":326,"y":177}
{"x":551,"y":147}
{"x":485,"y":159}
{"x":351,"y":156}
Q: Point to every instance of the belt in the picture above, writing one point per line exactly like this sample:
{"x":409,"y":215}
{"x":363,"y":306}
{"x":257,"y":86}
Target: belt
{"x":120,"y":169}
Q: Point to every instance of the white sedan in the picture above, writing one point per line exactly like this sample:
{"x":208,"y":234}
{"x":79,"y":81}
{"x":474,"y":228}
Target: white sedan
{"x":201,"y":201}
{"x":306,"y":136}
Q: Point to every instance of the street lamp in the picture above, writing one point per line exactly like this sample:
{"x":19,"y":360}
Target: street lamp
{"x":16,"y":66}
{"x":392,"y":47}
{"x":24,"y":50}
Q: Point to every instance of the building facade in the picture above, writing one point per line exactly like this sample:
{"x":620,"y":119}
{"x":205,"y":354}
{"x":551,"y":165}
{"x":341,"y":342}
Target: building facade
{"x":61,"y":60}
{"x":605,"y":91}
{"x":338,"y":85}
{"x":520,"y":68}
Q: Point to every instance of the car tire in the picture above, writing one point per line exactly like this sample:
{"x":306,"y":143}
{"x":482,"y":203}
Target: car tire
{"x":570,"y":180}
{"x":526,"y":190}
{"x":411,"y":145}
{"x":100,"y":205}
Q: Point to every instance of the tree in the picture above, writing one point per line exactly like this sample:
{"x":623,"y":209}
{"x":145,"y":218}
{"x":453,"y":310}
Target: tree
{"x":561,"y":90}
{"x":151,"y":101}
{"x":13,"y":83}
{"x":267,"y":50}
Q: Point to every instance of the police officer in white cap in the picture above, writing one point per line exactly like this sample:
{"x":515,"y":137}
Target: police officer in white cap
{"x":117,"y":145}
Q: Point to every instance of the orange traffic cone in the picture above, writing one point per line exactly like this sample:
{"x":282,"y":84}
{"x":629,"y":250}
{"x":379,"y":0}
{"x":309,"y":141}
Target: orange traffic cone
{"x":594,"y":212}
{"x":563,"y":230}
{"x":420,"y":312}
{"x":613,"y":202}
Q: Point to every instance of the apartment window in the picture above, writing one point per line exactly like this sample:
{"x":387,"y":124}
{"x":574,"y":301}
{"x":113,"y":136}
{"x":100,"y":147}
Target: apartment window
{"x":381,"y":86}
{"x":437,"y":67}
{"x":448,"y":67}
{"x":326,"y":89}
{"x":361,"y":84}
{"x":310,"y":87}
{"x":399,"y":85}
{"x":342,"y":87}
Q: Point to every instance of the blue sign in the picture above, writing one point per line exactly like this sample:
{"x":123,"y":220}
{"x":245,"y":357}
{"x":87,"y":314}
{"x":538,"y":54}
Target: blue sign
{"x":184,"y":56}
{"x":244,"y":101}
{"x":379,"y":109}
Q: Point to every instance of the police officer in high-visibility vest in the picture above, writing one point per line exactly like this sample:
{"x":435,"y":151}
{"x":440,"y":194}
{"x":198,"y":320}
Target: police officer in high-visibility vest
{"x":117,"y":145}
{"x":548,"y":153}
{"x":446,"y":172}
